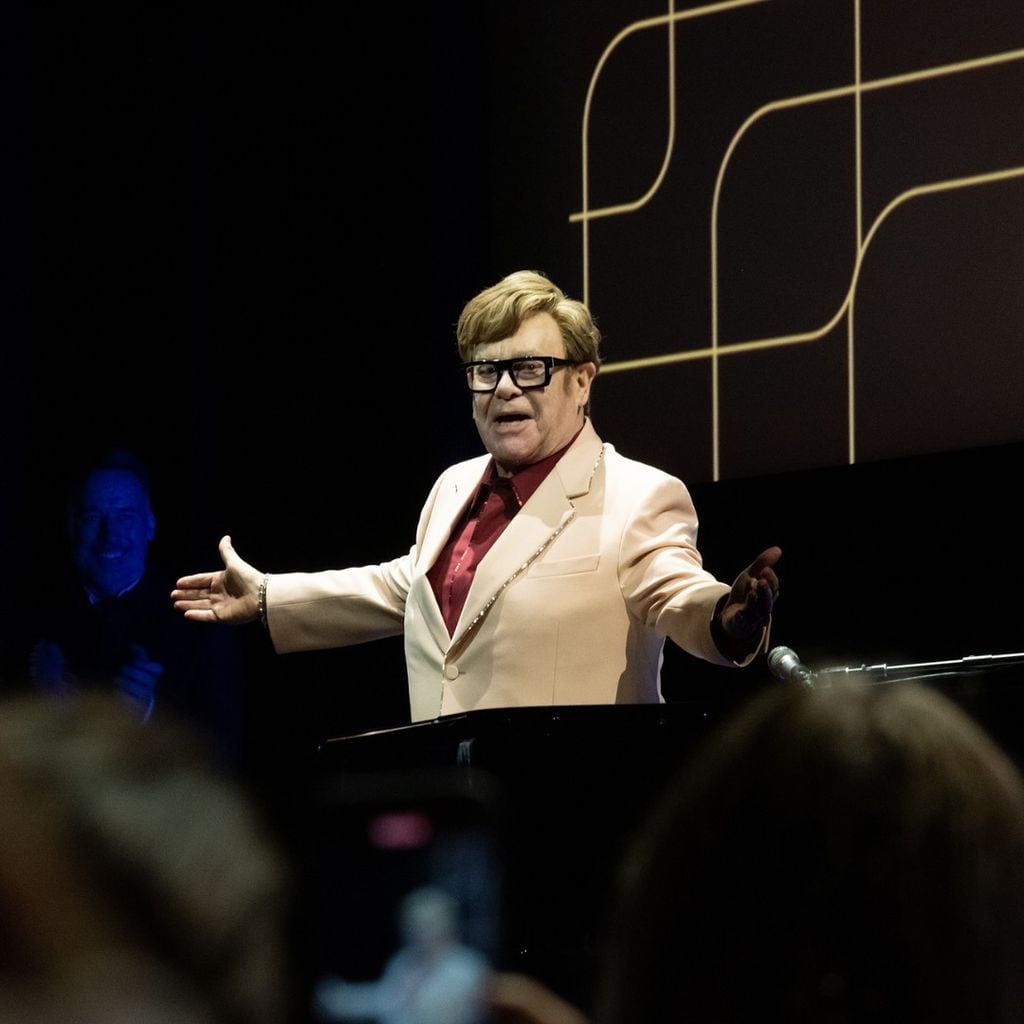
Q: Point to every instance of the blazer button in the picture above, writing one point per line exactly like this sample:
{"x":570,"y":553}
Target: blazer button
{"x":451,"y":671}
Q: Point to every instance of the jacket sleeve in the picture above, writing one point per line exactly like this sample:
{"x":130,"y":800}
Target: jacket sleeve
{"x":309,"y":611}
{"x":661,"y":572}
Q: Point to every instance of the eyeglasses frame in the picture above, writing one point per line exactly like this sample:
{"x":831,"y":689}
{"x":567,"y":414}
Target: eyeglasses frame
{"x":551,"y":364}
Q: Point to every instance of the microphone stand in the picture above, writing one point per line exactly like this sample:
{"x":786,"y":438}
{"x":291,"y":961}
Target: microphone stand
{"x":915,"y":670}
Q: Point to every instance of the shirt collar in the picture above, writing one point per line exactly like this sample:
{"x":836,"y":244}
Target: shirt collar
{"x":95,"y":598}
{"x":526,"y":480}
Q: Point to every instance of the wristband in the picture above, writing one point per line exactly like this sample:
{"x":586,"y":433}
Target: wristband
{"x":263,"y":600}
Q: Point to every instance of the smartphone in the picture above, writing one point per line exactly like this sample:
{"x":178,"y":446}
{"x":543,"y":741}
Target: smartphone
{"x":402,"y":895}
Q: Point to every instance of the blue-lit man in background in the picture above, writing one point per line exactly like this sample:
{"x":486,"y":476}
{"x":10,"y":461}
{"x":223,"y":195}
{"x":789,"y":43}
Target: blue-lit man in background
{"x":110,"y":626}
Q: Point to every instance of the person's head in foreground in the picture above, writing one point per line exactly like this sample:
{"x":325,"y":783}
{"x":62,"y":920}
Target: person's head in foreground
{"x":847,"y":854}
{"x":136,"y":882}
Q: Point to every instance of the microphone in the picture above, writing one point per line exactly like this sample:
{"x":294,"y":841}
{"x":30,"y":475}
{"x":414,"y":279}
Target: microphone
{"x":785,"y":665}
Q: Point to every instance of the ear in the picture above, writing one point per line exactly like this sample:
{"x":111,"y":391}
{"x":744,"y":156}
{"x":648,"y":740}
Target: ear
{"x":150,"y":526}
{"x":584,"y":375}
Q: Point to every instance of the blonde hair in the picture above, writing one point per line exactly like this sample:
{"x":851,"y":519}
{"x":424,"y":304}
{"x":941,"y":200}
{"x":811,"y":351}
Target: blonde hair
{"x":498,"y":311}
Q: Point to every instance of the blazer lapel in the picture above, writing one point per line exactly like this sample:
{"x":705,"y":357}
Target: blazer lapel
{"x":446,"y":510}
{"x":449,"y":505}
{"x":535,"y":526}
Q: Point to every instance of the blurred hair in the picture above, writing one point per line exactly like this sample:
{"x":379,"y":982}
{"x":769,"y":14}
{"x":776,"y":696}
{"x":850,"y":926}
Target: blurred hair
{"x":833,"y":855}
{"x":132,"y":872}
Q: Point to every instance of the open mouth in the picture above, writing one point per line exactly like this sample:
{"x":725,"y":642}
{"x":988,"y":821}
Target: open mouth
{"x":511,"y":417}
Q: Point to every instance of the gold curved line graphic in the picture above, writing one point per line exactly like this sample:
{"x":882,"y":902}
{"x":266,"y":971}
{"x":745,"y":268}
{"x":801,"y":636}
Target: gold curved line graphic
{"x":857,"y":89}
{"x":585,"y":215}
{"x":858,"y":220}
{"x":666,"y":19}
{"x":639,"y":26}
{"x":669,"y":142}
{"x":862,"y":241}
{"x":817,"y":97}
{"x":782,"y":340}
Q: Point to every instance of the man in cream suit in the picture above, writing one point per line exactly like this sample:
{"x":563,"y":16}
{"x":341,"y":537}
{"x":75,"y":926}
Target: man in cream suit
{"x":549,"y":571}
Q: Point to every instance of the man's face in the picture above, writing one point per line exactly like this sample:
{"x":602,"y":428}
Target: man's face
{"x":522,"y":427}
{"x":111,"y":530}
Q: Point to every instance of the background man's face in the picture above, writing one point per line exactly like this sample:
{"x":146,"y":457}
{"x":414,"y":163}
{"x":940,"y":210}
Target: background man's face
{"x":111,"y":531}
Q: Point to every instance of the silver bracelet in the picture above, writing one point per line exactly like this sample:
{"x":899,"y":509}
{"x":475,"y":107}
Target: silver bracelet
{"x":263,"y":600}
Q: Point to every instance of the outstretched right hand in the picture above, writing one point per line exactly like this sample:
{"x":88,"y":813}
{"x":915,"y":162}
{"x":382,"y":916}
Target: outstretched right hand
{"x":229,"y":595}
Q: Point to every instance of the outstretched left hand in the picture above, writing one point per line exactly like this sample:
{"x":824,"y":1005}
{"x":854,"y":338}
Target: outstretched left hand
{"x":748,"y":608}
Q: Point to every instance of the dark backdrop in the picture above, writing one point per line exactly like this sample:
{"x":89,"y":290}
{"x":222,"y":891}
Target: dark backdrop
{"x":240,"y":243}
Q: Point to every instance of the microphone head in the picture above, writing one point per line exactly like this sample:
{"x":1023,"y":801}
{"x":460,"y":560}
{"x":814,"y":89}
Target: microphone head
{"x":782,"y":661}
{"x":785,"y":665}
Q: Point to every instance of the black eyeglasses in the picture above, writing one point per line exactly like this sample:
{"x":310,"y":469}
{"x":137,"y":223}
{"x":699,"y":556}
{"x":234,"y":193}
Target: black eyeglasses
{"x":527,"y":372}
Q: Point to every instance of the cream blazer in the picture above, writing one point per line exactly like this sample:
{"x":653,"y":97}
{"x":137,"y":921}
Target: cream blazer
{"x":571,"y":605}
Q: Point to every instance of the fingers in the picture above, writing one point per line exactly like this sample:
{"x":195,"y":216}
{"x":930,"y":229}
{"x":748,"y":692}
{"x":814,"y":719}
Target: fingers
{"x":754,"y":609}
{"x":226,"y":549}
{"x":763,"y":582}
{"x":769,"y":581}
{"x":764,"y":598}
{"x":765,"y":560}
{"x":138,"y":678}
{"x":762,"y":593}
{"x":189,"y":584}
{"x":205,"y":580}
{"x":138,"y":681}
{"x":197,"y":614}
{"x":191,"y":599}
{"x":142,"y":661}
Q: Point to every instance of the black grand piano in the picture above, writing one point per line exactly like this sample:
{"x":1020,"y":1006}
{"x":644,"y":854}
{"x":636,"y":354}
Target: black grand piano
{"x":562,"y":790}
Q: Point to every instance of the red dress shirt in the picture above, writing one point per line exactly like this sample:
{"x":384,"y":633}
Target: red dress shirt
{"x":496,"y":500}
